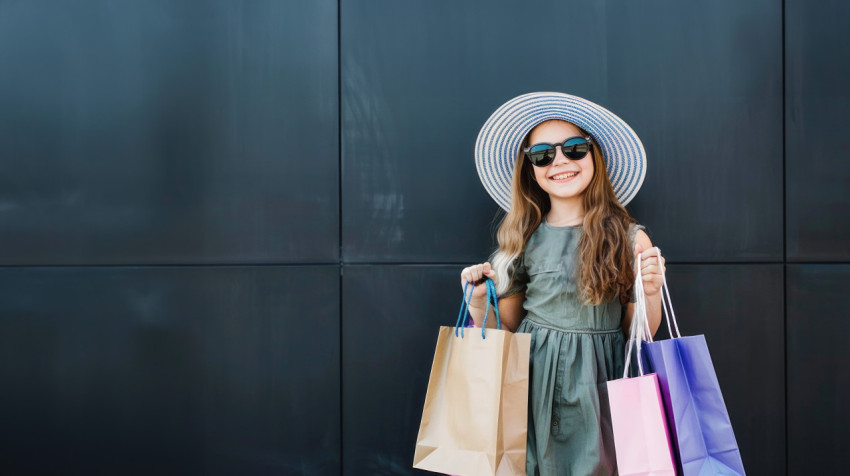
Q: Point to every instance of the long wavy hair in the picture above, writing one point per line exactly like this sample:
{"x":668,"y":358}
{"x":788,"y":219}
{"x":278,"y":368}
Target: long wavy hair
{"x":604,"y":265}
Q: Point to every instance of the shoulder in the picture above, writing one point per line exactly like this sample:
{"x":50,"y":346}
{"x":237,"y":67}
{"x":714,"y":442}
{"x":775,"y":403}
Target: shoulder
{"x":642,"y":239}
{"x":638,"y":236}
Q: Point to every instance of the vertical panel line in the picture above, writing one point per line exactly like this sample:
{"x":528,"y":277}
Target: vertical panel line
{"x":339,"y":208}
{"x":785,"y":244}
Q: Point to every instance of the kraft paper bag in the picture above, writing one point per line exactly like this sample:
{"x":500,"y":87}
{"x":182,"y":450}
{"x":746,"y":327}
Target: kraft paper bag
{"x":475,"y":417}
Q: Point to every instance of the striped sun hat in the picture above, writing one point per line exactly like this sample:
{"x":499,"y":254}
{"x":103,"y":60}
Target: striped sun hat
{"x":499,"y":141}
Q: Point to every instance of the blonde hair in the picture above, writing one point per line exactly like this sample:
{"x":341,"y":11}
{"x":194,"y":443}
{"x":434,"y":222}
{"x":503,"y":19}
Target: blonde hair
{"x":604,"y":251}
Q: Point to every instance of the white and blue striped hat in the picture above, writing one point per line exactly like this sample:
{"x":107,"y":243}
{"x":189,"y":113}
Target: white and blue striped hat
{"x":499,"y":141}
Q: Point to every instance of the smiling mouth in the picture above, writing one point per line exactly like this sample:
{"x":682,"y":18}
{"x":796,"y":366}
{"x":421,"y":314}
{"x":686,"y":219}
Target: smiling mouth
{"x":563,"y":176}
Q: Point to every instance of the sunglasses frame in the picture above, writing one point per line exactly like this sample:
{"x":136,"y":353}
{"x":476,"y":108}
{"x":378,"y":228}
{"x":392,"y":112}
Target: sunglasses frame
{"x":588,"y":139}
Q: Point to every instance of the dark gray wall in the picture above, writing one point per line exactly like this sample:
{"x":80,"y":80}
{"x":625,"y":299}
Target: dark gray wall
{"x":817,"y":227}
{"x":229,"y":230}
{"x":167,"y":169}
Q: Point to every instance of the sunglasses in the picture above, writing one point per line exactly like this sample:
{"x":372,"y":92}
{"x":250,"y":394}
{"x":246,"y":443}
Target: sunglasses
{"x":575,"y":148}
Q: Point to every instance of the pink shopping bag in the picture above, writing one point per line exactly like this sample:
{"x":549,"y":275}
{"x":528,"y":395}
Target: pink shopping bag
{"x":641,"y":440}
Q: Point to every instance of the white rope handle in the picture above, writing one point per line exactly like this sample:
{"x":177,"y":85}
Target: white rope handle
{"x":639,"y":327}
{"x":671,"y":316}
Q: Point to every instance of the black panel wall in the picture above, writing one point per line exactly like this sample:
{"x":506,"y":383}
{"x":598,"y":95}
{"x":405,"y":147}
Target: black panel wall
{"x":709,"y":112}
{"x":817,"y":108}
{"x":167,"y":370}
{"x":410,"y":119}
{"x":230,"y":230}
{"x":168,"y":132}
{"x":818,"y":325}
{"x":391,"y":318}
{"x":165,"y":169}
{"x":817,"y":197}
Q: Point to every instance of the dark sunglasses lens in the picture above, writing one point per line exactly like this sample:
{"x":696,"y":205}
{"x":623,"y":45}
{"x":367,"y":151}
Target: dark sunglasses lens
{"x":576,"y":148}
{"x":541,"y":155}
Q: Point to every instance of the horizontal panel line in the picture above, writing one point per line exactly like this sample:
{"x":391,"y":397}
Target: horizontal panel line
{"x":177,"y":265}
{"x":468,"y":263}
{"x":378,"y":263}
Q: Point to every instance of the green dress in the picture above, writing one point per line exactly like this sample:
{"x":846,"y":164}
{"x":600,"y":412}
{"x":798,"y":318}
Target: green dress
{"x":575,"y":349}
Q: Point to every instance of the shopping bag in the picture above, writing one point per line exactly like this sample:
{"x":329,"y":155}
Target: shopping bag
{"x":703,"y":440}
{"x":641,"y":440}
{"x":475,"y":417}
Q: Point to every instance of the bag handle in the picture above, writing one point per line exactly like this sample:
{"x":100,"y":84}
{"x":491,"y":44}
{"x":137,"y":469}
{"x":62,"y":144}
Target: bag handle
{"x":671,"y":316}
{"x":640,"y":321}
{"x":491,"y":294}
{"x":639,"y":327}
{"x":464,"y":307}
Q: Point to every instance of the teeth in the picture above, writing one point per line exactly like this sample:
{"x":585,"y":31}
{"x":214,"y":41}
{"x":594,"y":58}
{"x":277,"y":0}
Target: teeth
{"x":563,"y":176}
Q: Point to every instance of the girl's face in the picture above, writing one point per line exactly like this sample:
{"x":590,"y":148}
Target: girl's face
{"x":564,"y":178}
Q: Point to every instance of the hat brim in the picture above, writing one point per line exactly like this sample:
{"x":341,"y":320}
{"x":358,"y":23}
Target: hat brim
{"x":499,"y":140}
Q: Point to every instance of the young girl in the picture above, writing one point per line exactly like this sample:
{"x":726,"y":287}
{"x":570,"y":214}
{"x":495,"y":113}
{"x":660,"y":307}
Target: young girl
{"x":563,"y":168}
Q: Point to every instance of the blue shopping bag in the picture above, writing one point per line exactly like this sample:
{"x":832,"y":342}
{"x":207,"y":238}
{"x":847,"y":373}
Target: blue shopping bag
{"x":699,"y":425}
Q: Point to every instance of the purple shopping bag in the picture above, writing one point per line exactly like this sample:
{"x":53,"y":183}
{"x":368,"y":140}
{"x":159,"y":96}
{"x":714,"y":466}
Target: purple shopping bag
{"x":699,"y":424}
{"x":641,"y":441}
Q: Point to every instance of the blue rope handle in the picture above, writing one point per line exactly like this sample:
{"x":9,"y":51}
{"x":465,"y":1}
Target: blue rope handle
{"x":495,"y":304}
{"x":464,"y":305}
{"x":491,"y":295}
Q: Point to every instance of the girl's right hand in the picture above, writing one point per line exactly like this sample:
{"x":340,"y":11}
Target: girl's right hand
{"x":475,"y":274}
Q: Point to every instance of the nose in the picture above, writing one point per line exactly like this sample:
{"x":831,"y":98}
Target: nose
{"x":560,"y":157}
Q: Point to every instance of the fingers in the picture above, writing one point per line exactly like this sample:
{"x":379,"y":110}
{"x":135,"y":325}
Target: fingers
{"x":651,"y":269}
{"x":651,"y":256}
{"x":476,"y":273}
{"x":647,"y":262}
{"x":652,"y":274}
{"x":652,"y":265}
{"x":653,"y":251}
{"x":490,"y":273}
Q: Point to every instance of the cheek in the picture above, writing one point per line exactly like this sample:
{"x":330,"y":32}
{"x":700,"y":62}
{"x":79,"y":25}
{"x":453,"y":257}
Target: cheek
{"x":540,"y":174}
{"x":589,"y":166}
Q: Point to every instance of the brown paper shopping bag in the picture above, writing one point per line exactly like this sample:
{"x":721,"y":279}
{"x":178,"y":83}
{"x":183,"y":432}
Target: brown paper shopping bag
{"x":475,"y":417}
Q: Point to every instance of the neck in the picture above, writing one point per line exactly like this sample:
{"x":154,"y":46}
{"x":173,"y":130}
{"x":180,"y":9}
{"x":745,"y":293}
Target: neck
{"x":566,"y":211}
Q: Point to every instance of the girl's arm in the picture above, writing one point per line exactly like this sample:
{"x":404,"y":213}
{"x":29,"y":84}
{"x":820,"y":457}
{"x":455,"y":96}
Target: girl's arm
{"x":652,"y":281}
{"x":511,"y":312}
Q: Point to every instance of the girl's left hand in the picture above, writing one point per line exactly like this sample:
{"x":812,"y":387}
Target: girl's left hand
{"x":651,"y":269}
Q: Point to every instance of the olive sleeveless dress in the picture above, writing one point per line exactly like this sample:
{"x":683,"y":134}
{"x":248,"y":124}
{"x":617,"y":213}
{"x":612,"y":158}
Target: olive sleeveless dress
{"x":575,"y":349}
